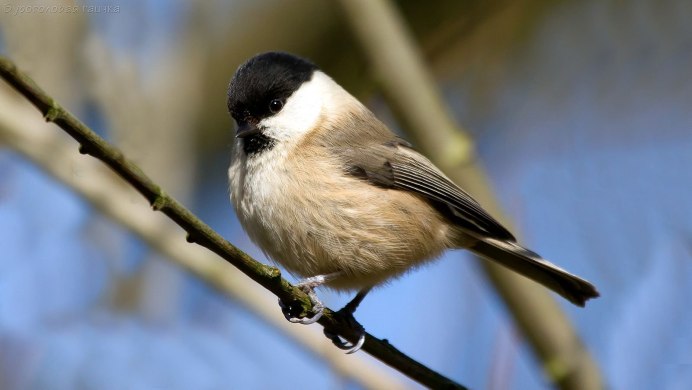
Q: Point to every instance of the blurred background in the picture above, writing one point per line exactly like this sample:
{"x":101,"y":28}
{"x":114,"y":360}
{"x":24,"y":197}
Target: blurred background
{"x":580,"y":111}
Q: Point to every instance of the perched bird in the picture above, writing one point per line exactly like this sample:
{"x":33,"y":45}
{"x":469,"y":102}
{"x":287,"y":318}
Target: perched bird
{"x":329,"y":192}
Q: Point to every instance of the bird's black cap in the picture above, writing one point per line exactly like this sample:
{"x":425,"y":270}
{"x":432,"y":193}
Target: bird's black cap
{"x":263,"y":78}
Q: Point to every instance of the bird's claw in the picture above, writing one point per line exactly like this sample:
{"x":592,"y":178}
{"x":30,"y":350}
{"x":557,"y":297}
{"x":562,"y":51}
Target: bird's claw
{"x":289,"y":310}
{"x":346,"y":345}
{"x":343,"y":344}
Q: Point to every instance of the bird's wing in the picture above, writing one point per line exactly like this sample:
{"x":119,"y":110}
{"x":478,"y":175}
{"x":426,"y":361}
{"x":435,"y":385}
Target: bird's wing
{"x":394,"y":164}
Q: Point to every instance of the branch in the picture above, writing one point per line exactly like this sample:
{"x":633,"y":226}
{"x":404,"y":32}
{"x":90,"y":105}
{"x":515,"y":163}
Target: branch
{"x":21,"y":130}
{"x":410,"y":89}
{"x":200,"y":233}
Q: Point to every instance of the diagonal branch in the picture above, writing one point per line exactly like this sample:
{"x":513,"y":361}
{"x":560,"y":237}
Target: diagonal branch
{"x":22,"y":130}
{"x":200,"y":233}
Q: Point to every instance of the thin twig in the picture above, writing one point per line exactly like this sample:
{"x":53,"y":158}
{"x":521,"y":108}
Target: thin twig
{"x":410,"y":89}
{"x":22,"y":130}
{"x":200,"y":233}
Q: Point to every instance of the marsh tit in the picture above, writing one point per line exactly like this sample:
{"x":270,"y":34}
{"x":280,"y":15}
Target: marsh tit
{"x":329,"y":192}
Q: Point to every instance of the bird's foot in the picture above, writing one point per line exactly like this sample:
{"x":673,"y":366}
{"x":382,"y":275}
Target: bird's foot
{"x":346,"y":313}
{"x":343,"y":344}
{"x":294,"y":309}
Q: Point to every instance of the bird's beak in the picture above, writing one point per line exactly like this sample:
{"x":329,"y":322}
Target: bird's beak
{"x":246,"y":129}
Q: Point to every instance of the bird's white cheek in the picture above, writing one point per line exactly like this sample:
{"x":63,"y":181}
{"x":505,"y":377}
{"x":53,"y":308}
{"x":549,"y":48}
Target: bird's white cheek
{"x":300,"y":113}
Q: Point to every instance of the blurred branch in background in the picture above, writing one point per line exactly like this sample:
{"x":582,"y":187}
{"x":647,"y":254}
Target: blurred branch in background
{"x":410,"y":89}
{"x":24,"y":131}
{"x":200,"y":233}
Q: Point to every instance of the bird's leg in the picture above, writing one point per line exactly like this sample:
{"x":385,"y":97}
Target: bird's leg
{"x":308,"y":286}
{"x":347,"y":314}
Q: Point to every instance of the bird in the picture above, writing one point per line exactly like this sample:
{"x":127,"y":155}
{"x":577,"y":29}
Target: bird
{"x":328,"y":191}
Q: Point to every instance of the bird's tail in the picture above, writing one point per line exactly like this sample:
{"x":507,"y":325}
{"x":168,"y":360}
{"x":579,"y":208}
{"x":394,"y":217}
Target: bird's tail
{"x":531,"y":265}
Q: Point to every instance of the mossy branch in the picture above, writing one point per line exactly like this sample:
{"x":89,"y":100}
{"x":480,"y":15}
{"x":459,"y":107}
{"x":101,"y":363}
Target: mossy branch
{"x":200,"y":233}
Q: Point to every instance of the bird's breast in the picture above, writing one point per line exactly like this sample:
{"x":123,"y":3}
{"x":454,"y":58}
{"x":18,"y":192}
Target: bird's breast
{"x":308,"y":215}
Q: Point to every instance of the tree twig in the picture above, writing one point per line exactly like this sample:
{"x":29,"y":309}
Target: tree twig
{"x":410,"y":89}
{"x":200,"y":233}
{"x":22,"y":130}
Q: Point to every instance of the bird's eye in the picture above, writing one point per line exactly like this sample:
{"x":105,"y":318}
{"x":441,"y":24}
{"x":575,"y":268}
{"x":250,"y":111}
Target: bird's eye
{"x":276,"y":105}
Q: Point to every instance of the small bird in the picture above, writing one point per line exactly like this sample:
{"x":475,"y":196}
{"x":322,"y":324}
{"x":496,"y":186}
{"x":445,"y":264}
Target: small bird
{"x":328,"y":191}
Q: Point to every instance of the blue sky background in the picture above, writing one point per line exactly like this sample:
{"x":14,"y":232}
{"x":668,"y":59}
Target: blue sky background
{"x":587,"y":140}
